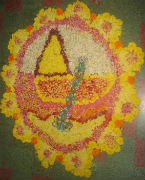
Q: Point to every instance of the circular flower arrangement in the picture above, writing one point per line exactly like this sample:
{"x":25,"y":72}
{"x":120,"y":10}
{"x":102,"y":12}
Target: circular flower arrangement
{"x":70,"y":86}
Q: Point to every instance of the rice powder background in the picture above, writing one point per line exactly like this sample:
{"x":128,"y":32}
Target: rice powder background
{"x":18,"y":161}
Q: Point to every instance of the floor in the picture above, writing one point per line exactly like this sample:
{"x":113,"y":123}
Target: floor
{"x":18,"y":161}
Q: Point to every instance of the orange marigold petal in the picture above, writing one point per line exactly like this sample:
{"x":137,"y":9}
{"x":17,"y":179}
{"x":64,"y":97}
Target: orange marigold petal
{"x":15,"y":116}
{"x":95,"y":152}
{"x":119,"y":123}
{"x":59,"y":11}
{"x":118,"y":44}
{"x":59,"y":158}
{"x":131,"y":79}
{"x":8,"y":89}
{"x":34,"y":140}
{"x":10,"y":58}
{"x":29,"y":28}
{"x":93,"y":16}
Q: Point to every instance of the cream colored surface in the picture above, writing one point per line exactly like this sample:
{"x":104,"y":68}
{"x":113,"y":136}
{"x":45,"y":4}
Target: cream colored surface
{"x":76,"y":44}
{"x":33,"y":52}
{"x":79,"y":44}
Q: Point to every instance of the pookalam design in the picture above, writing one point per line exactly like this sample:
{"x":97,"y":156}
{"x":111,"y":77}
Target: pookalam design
{"x":70,"y":86}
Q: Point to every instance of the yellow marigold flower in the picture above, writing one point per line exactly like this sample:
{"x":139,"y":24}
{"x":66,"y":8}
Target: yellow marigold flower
{"x":17,"y":40}
{"x":9,"y":104}
{"x":9,"y":73}
{"x":109,"y":26}
{"x":67,"y":167}
{"x":78,"y":163}
{"x":40,"y":156}
{"x":43,"y":16}
{"x":110,"y":140}
{"x":78,"y":8}
{"x":128,"y":104}
{"x":52,"y":159}
{"x":44,"y":163}
{"x":131,"y":57}
{"x":87,"y":173}
{"x":21,"y":131}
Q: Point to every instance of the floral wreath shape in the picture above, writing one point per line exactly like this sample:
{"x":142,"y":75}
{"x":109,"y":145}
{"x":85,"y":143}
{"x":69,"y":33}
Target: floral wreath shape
{"x":42,"y":63}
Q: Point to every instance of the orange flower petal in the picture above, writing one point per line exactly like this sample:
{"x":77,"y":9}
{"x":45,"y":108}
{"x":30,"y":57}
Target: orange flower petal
{"x":10,"y":58}
{"x":59,"y":158}
{"x":29,"y":28}
{"x":59,"y":11}
{"x":93,"y":16}
{"x":119,"y":123}
{"x":118,"y":44}
{"x":15,"y":116}
{"x":131,"y":79}
{"x":8,"y":90}
{"x":34,"y":140}
{"x":95,"y":152}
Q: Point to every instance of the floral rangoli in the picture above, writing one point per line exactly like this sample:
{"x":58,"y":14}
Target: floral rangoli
{"x":70,"y":86}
